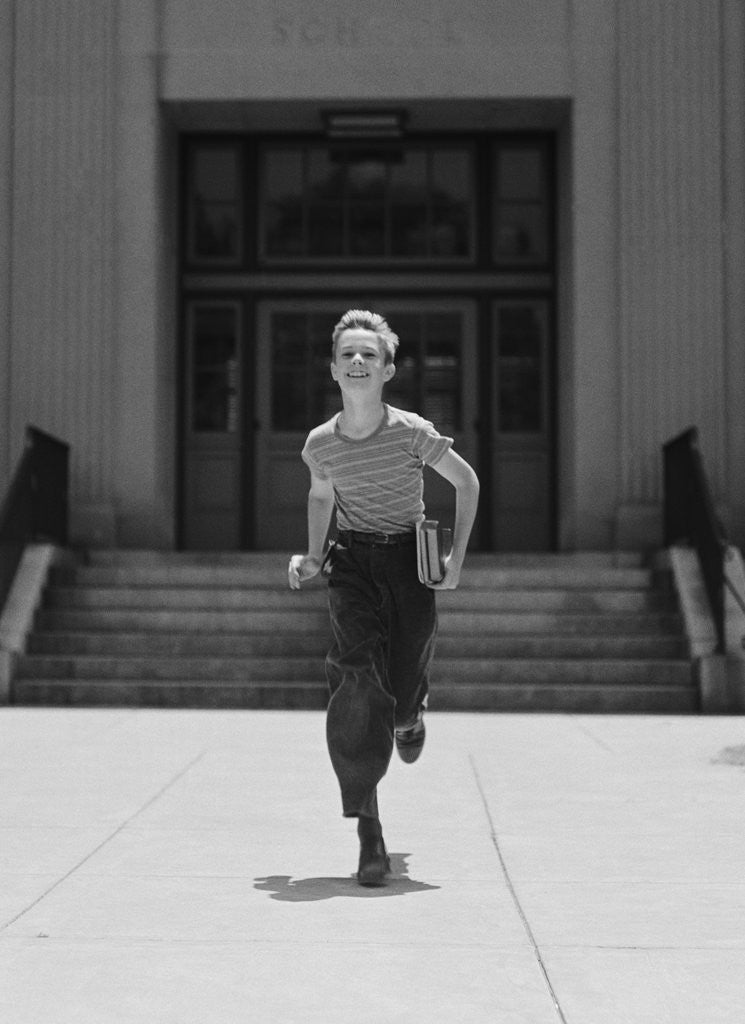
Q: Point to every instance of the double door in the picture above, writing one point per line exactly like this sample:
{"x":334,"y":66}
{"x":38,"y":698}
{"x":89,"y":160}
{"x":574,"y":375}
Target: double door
{"x":256,"y":380}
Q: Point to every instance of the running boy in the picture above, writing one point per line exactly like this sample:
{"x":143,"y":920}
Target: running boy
{"x":367,"y":461}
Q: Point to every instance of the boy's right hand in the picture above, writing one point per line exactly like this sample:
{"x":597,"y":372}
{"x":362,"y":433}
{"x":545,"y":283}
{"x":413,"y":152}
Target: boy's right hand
{"x":302,"y":568}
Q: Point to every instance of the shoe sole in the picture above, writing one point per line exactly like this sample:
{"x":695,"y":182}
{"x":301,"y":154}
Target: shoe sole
{"x":374,"y":878}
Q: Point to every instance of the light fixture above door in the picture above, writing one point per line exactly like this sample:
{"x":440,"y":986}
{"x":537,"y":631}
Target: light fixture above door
{"x":364,"y":124}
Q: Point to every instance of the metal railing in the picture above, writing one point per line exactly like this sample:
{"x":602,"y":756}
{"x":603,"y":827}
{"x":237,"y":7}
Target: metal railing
{"x":690,"y":518}
{"x":35,"y":507}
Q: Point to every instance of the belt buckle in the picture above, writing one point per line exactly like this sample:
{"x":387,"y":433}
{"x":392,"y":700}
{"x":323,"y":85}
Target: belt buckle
{"x":381,"y":538}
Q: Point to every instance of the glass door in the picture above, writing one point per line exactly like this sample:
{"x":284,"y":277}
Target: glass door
{"x":213,"y":422}
{"x":435,"y":376}
{"x":522,"y":441}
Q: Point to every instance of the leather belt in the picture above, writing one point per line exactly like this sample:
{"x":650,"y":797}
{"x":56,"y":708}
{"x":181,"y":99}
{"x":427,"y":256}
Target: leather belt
{"x":350,"y":537}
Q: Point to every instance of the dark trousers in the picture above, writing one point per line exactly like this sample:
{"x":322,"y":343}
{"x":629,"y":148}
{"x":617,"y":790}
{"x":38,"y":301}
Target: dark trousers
{"x":383,"y":623}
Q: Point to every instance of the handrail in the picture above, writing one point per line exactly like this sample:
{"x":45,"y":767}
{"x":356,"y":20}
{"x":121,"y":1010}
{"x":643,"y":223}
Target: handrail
{"x":735,"y":593}
{"x":690,"y":518}
{"x":35,"y":506}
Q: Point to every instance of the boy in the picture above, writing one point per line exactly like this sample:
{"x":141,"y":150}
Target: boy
{"x":367,"y":461}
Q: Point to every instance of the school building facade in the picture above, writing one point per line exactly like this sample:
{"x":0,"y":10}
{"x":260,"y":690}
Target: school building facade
{"x":547,"y":200}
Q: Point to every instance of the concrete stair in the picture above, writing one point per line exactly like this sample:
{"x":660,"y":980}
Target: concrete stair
{"x":587,"y":632}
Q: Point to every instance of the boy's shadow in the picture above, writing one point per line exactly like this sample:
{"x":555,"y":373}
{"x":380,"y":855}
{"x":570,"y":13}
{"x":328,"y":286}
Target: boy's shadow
{"x":305,"y":890}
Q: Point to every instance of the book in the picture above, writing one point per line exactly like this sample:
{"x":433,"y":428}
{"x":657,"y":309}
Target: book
{"x":433,"y":545}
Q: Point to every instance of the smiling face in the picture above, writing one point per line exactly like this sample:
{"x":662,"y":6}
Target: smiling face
{"x":359,"y":362}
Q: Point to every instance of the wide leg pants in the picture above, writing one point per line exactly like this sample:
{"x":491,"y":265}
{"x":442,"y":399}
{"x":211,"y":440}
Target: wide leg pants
{"x":384,"y":624}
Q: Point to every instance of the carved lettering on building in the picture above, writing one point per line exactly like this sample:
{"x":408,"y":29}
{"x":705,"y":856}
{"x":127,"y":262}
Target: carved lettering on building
{"x":322,"y":31}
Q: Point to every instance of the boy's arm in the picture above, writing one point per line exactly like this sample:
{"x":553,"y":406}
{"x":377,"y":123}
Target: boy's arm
{"x":457,"y":471}
{"x":320,"y":507}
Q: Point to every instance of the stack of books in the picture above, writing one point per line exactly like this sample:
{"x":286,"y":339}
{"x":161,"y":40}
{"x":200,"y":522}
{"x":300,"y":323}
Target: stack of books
{"x":433,"y":545}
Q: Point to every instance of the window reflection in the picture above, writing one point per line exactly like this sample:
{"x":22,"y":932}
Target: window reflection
{"x":283,"y":174}
{"x":450,"y":175}
{"x":521,"y":224}
{"x":521,"y":174}
{"x":215,"y":230}
{"x":214,"y":222}
{"x":367,"y":178}
{"x":303,"y":393}
{"x":520,"y":348}
{"x":428,"y":376}
{"x":367,"y":229}
{"x":442,"y":397}
{"x":214,"y":347}
{"x":215,"y":174}
{"x":520,"y":234}
{"x":409,"y":203}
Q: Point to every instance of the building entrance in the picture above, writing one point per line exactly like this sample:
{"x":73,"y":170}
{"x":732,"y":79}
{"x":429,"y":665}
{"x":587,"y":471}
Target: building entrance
{"x":281,"y":238}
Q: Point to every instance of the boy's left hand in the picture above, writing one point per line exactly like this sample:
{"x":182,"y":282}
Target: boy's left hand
{"x":451,"y":578}
{"x":302,"y":568}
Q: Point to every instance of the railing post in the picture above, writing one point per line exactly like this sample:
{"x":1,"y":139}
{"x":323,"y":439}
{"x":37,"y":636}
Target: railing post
{"x":36,"y":504}
{"x":49,"y":482}
{"x":690,"y":518}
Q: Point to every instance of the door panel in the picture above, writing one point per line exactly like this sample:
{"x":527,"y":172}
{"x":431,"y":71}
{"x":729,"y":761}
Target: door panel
{"x":436,"y":376}
{"x":522,"y":439}
{"x":213,"y":443}
{"x":294,"y":392}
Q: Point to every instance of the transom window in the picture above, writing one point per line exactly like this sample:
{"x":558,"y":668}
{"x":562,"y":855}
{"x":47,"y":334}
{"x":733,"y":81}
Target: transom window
{"x":413,"y":203}
{"x":310,"y":203}
{"x":214,"y":220}
{"x":521,"y":234}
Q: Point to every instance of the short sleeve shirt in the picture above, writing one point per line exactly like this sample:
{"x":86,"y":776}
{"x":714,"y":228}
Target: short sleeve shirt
{"x":377,"y":479}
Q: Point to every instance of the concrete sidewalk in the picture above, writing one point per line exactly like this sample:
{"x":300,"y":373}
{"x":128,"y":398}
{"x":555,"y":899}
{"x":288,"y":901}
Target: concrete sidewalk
{"x":192,"y":866}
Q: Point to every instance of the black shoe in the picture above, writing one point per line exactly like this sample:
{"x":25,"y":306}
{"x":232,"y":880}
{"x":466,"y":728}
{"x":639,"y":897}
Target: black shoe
{"x":409,"y":742}
{"x":374,"y":861}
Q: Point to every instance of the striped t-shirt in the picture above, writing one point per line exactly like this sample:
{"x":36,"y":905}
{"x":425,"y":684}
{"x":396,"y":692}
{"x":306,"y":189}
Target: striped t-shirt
{"x":377,"y":479}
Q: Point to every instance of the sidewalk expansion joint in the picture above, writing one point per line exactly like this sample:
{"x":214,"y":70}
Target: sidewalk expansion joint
{"x":515,"y":899}
{"x":591,"y":735}
{"x":135,"y":814}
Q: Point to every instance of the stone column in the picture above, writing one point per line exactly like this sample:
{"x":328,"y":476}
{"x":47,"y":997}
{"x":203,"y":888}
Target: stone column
{"x":146,"y":384}
{"x":733,"y":62}
{"x":671,"y":277}
{"x":587,"y":361}
{"x":7,"y":452}
{"x":62,"y":276}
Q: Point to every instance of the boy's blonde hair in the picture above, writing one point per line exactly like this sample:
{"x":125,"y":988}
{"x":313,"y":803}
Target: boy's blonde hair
{"x":367,"y":321}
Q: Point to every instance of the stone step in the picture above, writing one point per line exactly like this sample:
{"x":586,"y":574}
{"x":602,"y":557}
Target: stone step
{"x":241,"y":599}
{"x":312,"y":620}
{"x":566,"y":671}
{"x":186,"y":598}
{"x":316,"y":619}
{"x":210,"y":559}
{"x":202,"y":559}
{"x":452,"y":670}
{"x":245,"y":669}
{"x":579,"y":632}
{"x":568,"y":699}
{"x":315,"y":645}
{"x":497,"y":697}
{"x":172,"y":693}
{"x":274,"y":576}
